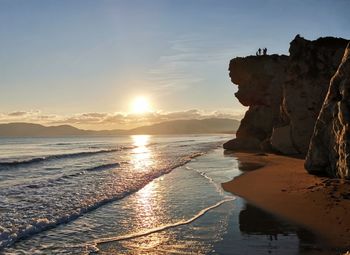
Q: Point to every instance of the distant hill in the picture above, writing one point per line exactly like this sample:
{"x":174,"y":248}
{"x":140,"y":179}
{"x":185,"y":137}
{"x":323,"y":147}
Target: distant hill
{"x":214,"y":125}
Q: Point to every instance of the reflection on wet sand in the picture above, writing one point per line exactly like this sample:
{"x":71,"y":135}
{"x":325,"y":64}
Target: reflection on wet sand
{"x":149,"y":212}
{"x":245,"y":162}
{"x":159,"y":219}
{"x":266,"y":231}
{"x":254,"y":231}
{"x":254,"y":221}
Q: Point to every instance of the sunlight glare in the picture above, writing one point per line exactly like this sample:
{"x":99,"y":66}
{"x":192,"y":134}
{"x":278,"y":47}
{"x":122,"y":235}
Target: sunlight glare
{"x":142,"y":156}
{"x":141,"y":105}
{"x":140,"y":140}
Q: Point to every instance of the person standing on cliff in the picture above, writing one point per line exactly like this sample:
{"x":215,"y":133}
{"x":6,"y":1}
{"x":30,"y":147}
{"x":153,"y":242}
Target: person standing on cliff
{"x":265,"y":51}
{"x":259,"y":52}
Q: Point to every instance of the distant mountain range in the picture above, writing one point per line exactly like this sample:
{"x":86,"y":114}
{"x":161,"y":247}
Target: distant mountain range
{"x":213,"y":125}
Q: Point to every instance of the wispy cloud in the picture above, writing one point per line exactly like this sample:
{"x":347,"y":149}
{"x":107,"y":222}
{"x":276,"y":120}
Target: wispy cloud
{"x":185,"y":63}
{"x":27,"y":116}
{"x":96,"y":120}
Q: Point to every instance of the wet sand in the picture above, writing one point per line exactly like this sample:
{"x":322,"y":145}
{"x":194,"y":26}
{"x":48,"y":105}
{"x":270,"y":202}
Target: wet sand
{"x":281,"y":186}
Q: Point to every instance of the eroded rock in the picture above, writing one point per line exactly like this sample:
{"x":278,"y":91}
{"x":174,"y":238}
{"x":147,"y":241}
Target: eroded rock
{"x":284,"y":94}
{"x":310,"y":68}
{"x":281,"y":140}
{"x":329,"y":151}
{"x":259,"y":80}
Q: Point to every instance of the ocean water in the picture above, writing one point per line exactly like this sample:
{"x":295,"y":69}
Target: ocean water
{"x":132,"y":195}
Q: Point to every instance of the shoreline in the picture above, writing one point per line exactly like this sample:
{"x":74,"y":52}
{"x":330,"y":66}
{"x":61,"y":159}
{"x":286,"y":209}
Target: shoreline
{"x":282,"y":187}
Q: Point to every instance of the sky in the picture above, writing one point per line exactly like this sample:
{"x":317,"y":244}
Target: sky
{"x":83,"y":62}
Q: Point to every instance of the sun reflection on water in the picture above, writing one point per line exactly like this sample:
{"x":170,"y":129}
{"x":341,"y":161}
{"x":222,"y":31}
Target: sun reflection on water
{"x":150,"y":208}
{"x":140,"y":140}
{"x":149,"y":198}
{"x":141,"y":154}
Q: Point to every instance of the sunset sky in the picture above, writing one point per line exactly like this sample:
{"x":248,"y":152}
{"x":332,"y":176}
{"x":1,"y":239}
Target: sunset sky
{"x":84,"y":62}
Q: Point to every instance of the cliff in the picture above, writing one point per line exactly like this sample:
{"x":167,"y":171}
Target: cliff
{"x":310,"y":68}
{"x":284,"y":94}
{"x":259,"y":81}
{"x":329,"y":147}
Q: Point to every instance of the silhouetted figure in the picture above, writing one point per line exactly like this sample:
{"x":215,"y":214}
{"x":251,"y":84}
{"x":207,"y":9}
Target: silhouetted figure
{"x":259,"y":51}
{"x":265,"y":51}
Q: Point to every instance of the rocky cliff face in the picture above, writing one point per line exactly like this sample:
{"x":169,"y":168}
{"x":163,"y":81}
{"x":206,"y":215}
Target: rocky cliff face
{"x":285,"y":94}
{"x":329,"y":151}
{"x":259,"y":80}
{"x":310,"y":68}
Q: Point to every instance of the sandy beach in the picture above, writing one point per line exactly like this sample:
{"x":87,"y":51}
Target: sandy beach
{"x":282,"y":186}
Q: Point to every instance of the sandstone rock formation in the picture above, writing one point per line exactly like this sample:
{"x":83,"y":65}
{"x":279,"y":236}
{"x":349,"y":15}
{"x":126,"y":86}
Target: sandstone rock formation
{"x":285,"y":94}
{"x":259,"y":80}
{"x":329,"y":151}
{"x":310,"y":68}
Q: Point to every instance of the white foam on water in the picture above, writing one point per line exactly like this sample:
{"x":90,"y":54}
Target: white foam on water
{"x":162,"y":227}
{"x":63,"y":205}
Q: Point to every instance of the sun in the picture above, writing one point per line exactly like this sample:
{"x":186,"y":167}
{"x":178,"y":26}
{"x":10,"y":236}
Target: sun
{"x":140,"y":105}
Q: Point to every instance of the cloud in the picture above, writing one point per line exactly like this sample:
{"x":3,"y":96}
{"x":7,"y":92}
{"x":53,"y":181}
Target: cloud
{"x":97,"y":120}
{"x":18,"y":113}
{"x":26,"y":116}
{"x":187,"y":60}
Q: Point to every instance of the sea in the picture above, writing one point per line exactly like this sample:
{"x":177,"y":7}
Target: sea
{"x":137,"y":194}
